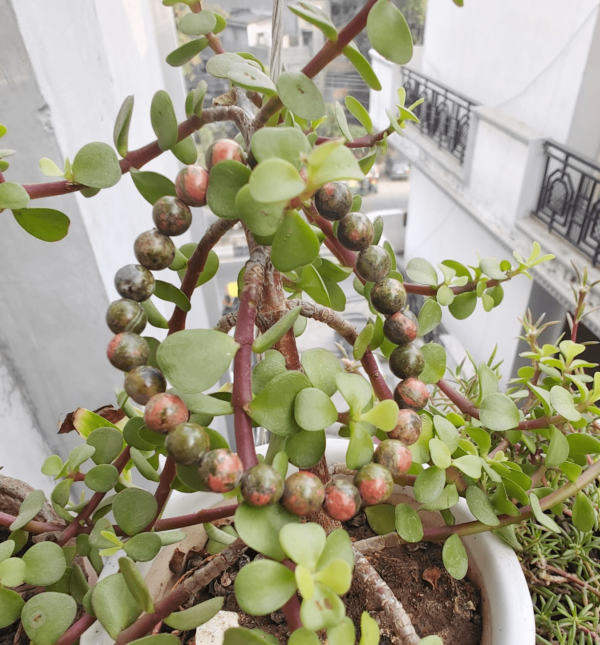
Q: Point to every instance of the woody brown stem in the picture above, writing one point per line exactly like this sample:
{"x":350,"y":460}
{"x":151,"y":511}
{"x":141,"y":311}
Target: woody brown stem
{"x":392,"y":608}
{"x":202,"y":577}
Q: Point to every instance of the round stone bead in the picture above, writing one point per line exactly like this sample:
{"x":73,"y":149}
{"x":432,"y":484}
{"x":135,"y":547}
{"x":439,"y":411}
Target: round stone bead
{"x":154,"y":250}
{"x":262,"y":485}
{"x":134,"y":282}
{"x":412,"y":394}
{"x":127,"y":350}
{"x":221,"y":470}
{"x":373,"y":263}
{"x":165,"y":411}
{"x":126,"y":315}
{"x":187,"y":443}
{"x":171,"y":216}
{"x":303,"y":493}
{"x":143,"y":382}
{"x":388,"y":296}
{"x":333,"y":200}
{"x":355,"y":232}
{"x":191,"y":185}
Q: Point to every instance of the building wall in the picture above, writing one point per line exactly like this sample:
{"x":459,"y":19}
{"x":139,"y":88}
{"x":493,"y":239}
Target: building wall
{"x":66,"y":68}
{"x":439,"y":228}
{"x":532,"y":59}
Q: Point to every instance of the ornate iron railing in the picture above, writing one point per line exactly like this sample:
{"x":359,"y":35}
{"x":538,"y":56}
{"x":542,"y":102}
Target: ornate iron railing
{"x":445,"y":115}
{"x":569,"y":199}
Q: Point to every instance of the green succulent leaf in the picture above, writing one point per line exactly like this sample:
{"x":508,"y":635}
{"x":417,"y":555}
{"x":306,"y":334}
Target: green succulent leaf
{"x":263,"y":587}
{"x":252,"y":79}
{"x":332,"y":161}
{"x":143,"y":547}
{"x":31,"y":506}
{"x":107,"y":443}
{"x":455,"y":557}
{"x":562,"y":402}
{"x":408,"y":523}
{"x":280,"y":143}
{"x":384,"y":415}
{"x":355,"y":389}
{"x":225,"y":180}
{"x":337,"y":576}
{"x":362,"y":341}
{"x":304,"y":636}
{"x":151,"y":185}
{"x":481,"y":507}
{"x":163,"y":119}
{"x":540,"y":516}
{"x":170,"y":293}
{"x":389,"y":32}
{"x":470,"y":465}
{"x":276,"y":332}
{"x":360,"y":447}
{"x":195,"y":616}
{"x":259,"y":528}
{"x":45,"y":564}
{"x":305,"y":448}
{"x":121,"y":129}
{"x":186,"y":151}
{"x":12,"y":572}
{"x":324,"y":610}
{"x":315,"y":16}
{"x":463,"y":305}
{"x":46,"y":224}
{"x":136,"y":584}
{"x":102,"y":478}
{"x":47,"y":616}
{"x":499,"y":413}
{"x":295,"y":244}
{"x":321,"y":367}
{"x":197,"y":24}
{"x":273,"y":408}
{"x":96,"y":166}
{"x":342,"y":634}
{"x":300,"y":95}
{"x":363,"y":67}
{"x":429,"y":484}
{"x":13,"y":195}
{"x":186,"y":52}
{"x":558,"y":449}
{"x":381,"y":518}
{"x":180,"y":354}
{"x":134,"y":509}
{"x":260,"y":218}
{"x":584,"y":513}
{"x":314,"y":410}
{"x":11,"y":605}
{"x":430,"y":317}
{"x":114,"y":605}
{"x":435,"y":363}
{"x":303,"y":543}
{"x":421,"y":271}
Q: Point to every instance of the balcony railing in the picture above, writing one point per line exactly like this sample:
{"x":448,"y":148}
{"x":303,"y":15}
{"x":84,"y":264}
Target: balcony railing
{"x":445,"y":115}
{"x":569,"y":199}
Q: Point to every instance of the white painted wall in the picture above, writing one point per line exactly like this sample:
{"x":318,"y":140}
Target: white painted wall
{"x":439,"y":229}
{"x":528,"y":58}
{"x":65,"y":68}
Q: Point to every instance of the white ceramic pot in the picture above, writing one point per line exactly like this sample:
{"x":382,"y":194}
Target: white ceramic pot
{"x":493,"y":566}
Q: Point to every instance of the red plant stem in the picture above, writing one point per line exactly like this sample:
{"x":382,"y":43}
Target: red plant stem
{"x":380,"y":387}
{"x":570,"y":489}
{"x":467,"y":407}
{"x":578,"y":310}
{"x":291,"y":609}
{"x":2,"y":179}
{"x":163,"y":489}
{"x":242,"y":363}
{"x":162,"y":609}
{"x":367,"y":141}
{"x":214,"y":42}
{"x":322,"y":58}
{"x":92,"y":505}
{"x":31,"y":527}
{"x":141,"y":156}
{"x":76,"y":630}
{"x":208,"y":515}
{"x":195,"y":267}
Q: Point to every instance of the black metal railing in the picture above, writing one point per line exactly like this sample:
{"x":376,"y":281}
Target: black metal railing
{"x":445,"y":115}
{"x":569,"y":199}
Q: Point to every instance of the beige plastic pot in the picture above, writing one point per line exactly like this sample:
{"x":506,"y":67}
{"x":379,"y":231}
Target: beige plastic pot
{"x":493,"y":566}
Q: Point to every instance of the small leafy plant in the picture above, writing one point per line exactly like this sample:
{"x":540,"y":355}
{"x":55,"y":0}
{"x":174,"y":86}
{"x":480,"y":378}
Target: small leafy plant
{"x":511,"y":455}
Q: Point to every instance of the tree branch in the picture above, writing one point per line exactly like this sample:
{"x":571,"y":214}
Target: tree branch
{"x":141,"y":156}
{"x":214,"y":42}
{"x":242,"y":363}
{"x":203,"y":576}
{"x":196,"y":265}
{"x":207,"y":515}
{"x":76,"y":630}
{"x":31,"y":527}
{"x":71,"y":530}
{"x":322,"y":58}
{"x":368,"y":141}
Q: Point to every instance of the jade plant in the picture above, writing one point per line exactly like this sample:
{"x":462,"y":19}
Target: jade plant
{"x":513,"y":455}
